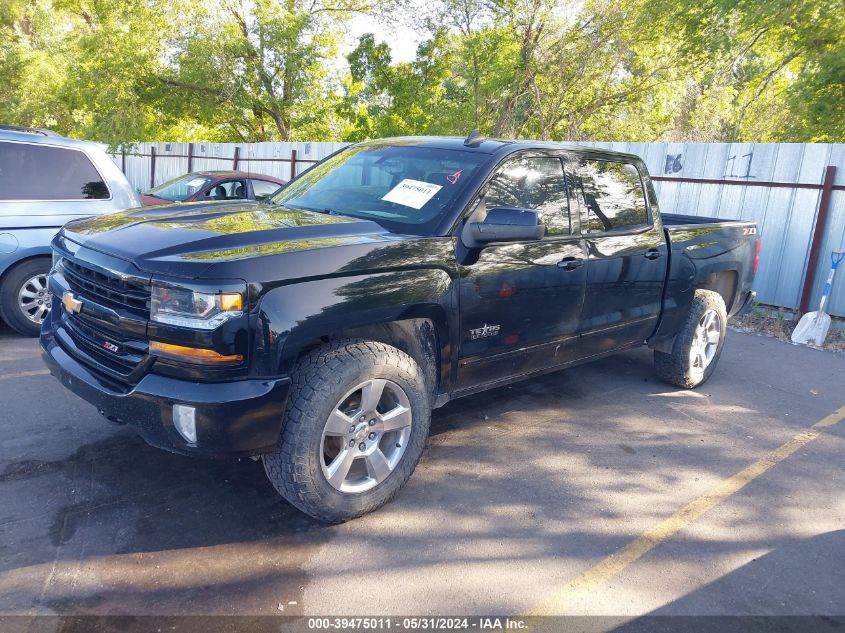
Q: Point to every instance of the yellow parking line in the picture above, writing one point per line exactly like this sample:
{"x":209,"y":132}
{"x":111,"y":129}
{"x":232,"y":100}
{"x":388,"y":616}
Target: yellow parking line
{"x":24,"y":374}
{"x":614,"y":564}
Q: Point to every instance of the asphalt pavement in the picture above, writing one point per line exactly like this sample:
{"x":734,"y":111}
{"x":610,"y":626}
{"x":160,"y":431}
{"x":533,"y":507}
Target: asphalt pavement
{"x":569,"y":493}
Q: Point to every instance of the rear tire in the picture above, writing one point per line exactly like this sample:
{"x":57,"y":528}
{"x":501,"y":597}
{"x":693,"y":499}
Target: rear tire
{"x":24,"y":298}
{"x":356,"y":422}
{"x":698,"y":345}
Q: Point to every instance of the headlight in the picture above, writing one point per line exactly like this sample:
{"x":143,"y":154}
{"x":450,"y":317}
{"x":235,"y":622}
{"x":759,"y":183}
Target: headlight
{"x":56,"y":261}
{"x":193,"y":309}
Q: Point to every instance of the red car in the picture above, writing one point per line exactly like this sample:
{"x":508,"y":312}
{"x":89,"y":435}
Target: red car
{"x":213,"y":185}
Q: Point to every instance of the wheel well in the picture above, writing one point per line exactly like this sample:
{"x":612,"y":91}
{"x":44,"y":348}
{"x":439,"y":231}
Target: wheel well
{"x":417,"y":337}
{"x":11,"y":267}
{"x":724,"y":283}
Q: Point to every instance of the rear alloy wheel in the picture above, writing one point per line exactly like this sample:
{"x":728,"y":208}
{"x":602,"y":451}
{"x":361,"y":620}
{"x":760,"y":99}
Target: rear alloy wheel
{"x":25,"y":298}
{"x":705,"y":343}
{"x":355,"y":426}
{"x":698,"y":345}
{"x":34,"y":299}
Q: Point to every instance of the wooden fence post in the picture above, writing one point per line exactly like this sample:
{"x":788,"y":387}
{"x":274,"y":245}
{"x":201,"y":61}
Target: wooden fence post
{"x":818,"y":237}
{"x":190,"y":157}
{"x":236,"y":158}
{"x":292,"y":164}
{"x":152,"y":166}
{"x":123,"y":159}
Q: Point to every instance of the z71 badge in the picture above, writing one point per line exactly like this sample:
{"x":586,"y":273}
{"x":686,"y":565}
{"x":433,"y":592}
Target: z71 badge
{"x":484,"y":331}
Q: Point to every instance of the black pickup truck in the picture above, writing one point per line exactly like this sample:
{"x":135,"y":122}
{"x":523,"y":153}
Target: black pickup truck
{"x":318,"y":330}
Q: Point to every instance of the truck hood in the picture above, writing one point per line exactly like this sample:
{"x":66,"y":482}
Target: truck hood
{"x":187,"y":238}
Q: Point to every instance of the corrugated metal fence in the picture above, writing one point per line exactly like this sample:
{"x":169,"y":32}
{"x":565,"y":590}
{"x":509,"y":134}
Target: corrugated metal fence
{"x":779,"y":186}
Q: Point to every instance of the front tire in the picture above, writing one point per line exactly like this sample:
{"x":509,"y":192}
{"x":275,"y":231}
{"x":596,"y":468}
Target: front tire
{"x":356,"y":422}
{"x":24,"y":297}
{"x":698,"y":345}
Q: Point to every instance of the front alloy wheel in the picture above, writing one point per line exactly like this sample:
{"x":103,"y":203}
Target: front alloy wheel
{"x":355,"y":425}
{"x":365,"y":436}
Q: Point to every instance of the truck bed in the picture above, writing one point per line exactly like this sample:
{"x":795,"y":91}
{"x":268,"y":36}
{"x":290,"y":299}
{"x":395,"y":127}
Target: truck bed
{"x":713,"y":253}
{"x":676,"y":220}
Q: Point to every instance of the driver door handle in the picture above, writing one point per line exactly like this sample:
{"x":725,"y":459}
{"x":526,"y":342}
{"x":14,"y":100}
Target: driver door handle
{"x":570,"y":263}
{"x":652,"y":253}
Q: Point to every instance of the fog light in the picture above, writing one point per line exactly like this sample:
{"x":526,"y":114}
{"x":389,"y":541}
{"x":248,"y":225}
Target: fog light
{"x":185,"y":421}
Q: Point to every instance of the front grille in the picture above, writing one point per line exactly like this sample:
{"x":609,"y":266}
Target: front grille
{"x":109,"y":335}
{"x":121,"y":363}
{"x":108,"y":288}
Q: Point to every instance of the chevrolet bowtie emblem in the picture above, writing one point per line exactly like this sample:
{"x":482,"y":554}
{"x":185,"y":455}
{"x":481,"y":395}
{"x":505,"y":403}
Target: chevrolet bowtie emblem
{"x":71,"y":303}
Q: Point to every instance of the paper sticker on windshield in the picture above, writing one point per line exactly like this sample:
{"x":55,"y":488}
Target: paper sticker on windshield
{"x":412,"y":193}
{"x":196,"y":182}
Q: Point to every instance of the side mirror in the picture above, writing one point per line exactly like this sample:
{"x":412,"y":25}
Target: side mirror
{"x":504,"y":224}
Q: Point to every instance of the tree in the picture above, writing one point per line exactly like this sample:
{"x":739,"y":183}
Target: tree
{"x":251,"y":70}
{"x":401,"y":99}
{"x":85,"y":67}
{"x":768,"y":71}
{"x":259,"y":69}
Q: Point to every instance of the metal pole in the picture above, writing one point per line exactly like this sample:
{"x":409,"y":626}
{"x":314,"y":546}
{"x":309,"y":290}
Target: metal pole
{"x":818,"y":237}
{"x":152,"y":166}
{"x":190,"y":157}
{"x":236,"y":158}
{"x":123,"y":159}
{"x":292,"y":164}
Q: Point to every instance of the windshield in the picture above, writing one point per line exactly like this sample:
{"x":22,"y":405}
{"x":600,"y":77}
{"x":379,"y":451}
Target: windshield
{"x":179,"y":188}
{"x":405,"y":188}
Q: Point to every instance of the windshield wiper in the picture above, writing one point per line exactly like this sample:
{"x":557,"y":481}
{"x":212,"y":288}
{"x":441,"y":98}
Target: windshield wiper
{"x":301,"y":208}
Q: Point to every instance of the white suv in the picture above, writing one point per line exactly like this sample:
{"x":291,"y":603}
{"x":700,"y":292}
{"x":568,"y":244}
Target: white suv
{"x":45,"y":181}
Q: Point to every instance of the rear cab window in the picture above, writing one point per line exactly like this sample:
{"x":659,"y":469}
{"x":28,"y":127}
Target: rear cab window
{"x":37,"y":172}
{"x":611,"y":196}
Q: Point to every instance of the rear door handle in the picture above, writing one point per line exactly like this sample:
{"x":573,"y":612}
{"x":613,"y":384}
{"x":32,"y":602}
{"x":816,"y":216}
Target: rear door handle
{"x":570,"y":263}
{"x":652,"y":253}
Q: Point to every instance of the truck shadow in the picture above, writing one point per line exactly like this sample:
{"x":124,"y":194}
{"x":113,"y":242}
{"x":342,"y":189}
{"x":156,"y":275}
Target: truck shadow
{"x":161,"y":529}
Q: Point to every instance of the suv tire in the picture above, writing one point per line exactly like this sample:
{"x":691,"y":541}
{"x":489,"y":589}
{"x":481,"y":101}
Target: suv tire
{"x":355,"y":425}
{"x":28,"y":277}
{"x":698,"y":345}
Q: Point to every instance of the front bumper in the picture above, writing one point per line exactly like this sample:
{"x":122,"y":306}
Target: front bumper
{"x":237,"y":418}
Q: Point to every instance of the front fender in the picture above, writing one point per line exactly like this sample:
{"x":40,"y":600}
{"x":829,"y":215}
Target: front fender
{"x":290,"y":318}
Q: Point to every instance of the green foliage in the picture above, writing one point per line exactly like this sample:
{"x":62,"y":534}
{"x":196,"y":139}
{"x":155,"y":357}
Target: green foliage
{"x":121,"y":71}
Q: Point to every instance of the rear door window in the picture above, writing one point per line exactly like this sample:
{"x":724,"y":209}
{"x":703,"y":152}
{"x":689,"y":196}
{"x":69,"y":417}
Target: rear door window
{"x":44,"y":172}
{"x":611,"y":196}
